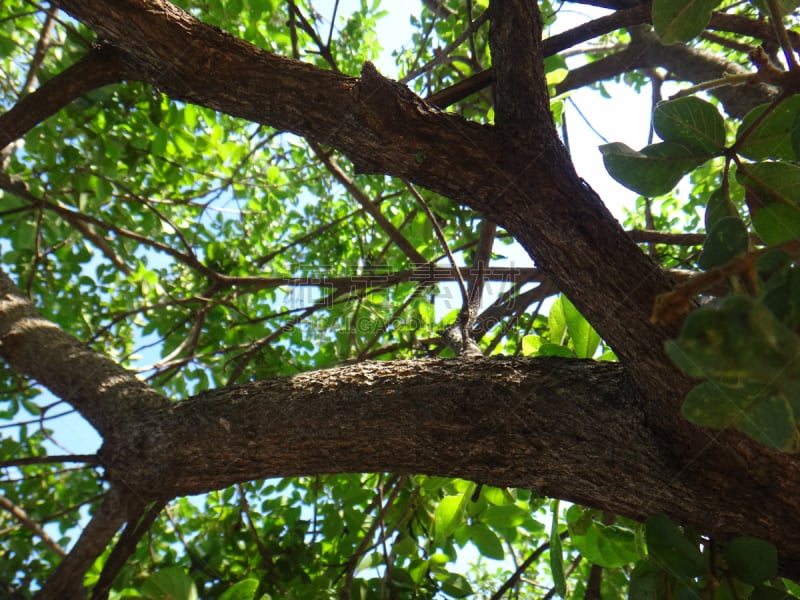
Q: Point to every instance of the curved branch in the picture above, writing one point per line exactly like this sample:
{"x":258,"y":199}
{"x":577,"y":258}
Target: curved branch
{"x":568,"y":428}
{"x":67,"y":580}
{"x":528,"y":187}
{"x":685,"y":63}
{"x":102,"y":66}
{"x":102,"y":391}
{"x":37,"y":530}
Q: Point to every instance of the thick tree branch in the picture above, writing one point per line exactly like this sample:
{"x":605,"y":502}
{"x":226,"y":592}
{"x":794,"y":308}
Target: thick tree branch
{"x":568,"y":428}
{"x":684,"y":63}
{"x":67,"y":580}
{"x":521,"y":101}
{"x":550,"y":46}
{"x":102,"y":66}
{"x":102,"y":391}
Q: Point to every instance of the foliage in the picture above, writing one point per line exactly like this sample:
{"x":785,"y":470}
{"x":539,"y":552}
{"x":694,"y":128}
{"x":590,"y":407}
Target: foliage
{"x":202,"y":250}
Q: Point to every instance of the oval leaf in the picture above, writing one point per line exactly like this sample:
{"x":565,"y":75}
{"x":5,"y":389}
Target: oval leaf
{"x":170,"y":583}
{"x":719,"y":206}
{"x":585,"y":339}
{"x":486,"y":541}
{"x":717,"y":405}
{"x":727,"y":239}
{"x":681,"y":20}
{"x":692,"y":122}
{"x":777,"y":222}
{"x":776,"y":136}
{"x":653,"y":171}
{"x":750,"y":559}
{"x":771,"y":181}
{"x":607,"y":546}
{"x":244,"y":590}
{"x":671,"y":549}
{"x":449,"y":514}
{"x":771,"y":422}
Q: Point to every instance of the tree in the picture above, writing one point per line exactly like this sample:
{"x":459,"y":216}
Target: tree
{"x":236,"y":185}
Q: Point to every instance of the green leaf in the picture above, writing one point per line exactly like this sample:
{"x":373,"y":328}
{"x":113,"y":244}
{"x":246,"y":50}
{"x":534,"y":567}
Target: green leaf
{"x":648,"y":582}
{"x":786,"y":7}
{"x":782,"y":295}
{"x":771,"y":181}
{"x":505,"y":516}
{"x":719,"y":405}
{"x":776,"y":136}
{"x":531,"y":345}
{"x":585,"y":339}
{"x":654,"y":170}
{"x":739,"y":339}
{"x":170,"y":583}
{"x":692,"y":122}
{"x":555,"y":350}
{"x":609,"y":546}
{"x":557,"y":321}
{"x":486,"y":541}
{"x":772,"y":422}
{"x":681,"y":20}
{"x":719,"y":206}
{"x":455,"y":585}
{"x":778,"y":222}
{"x":750,"y":559}
{"x":726,"y":240}
{"x":557,"y":554}
{"x":669,"y":548}
{"x":765,"y":592}
{"x":244,"y":590}
{"x":450,"y":514}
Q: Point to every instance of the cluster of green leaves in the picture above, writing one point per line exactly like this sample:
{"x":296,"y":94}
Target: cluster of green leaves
{"x":682,"y":565}
{"x":328,"y":536}
{"x":745,"y":346}
{"x":566,"y":333}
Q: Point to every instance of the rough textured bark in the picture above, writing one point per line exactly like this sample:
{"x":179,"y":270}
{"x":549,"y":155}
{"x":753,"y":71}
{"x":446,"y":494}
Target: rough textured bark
{"x":605,"y":435}
{"x":104,"y":393}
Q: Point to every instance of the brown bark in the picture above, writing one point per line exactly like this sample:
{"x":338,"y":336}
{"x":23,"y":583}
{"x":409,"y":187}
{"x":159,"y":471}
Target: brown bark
{"x":526,"y":423}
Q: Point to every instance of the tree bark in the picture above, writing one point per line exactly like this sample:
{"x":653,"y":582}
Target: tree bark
{"x":571,"y":429}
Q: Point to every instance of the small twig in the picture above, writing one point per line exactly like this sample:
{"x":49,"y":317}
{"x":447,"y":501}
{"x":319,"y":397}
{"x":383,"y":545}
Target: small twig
{"x":20,"y":515}
{"x":89,"y":459}
{"x":672,"y":305}
{"x":442,"y":55}
{"x":783,"y":37}
{"x":462,"y":286}
{"x":517,"y":575}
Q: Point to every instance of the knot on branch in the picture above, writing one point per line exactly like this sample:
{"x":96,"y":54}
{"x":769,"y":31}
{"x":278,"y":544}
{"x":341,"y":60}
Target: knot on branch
{"x":387,"y":104}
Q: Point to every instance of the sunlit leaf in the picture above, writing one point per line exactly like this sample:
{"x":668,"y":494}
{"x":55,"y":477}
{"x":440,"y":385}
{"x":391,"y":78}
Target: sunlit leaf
{"x":170,"y":583}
